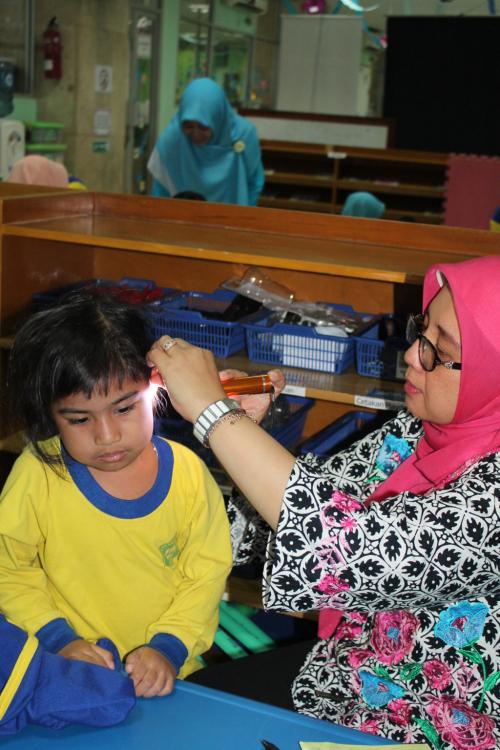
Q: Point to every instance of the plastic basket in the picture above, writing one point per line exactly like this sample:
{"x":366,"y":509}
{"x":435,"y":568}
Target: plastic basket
{"x":381,"y":358}
{"x":221,"y":337}
{"x":40,"y":131}
{"x":341,"y":433}
{"x":125,"y":285}
{"x":290,"y":432}
{"x":301,"y":346}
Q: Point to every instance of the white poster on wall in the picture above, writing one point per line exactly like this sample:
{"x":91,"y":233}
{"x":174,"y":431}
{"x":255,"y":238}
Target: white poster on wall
{"x":319,"y":64}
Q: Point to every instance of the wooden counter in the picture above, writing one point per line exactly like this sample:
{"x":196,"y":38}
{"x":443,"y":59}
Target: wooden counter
{"x":376,"y":266}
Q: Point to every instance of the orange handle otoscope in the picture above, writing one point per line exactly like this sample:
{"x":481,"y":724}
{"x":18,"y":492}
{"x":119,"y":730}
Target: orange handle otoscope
{"x":248,"y":385}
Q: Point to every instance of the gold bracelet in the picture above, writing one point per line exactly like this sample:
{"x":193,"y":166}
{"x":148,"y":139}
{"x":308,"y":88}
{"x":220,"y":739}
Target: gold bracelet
{"x":232,"y":417}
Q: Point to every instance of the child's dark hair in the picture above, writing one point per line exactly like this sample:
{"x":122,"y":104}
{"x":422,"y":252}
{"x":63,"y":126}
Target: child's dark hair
{"x":87,"y":341}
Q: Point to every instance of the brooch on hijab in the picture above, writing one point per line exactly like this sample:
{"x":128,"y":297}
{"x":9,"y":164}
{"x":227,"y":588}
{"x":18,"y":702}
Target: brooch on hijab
{"x":239,"y":146}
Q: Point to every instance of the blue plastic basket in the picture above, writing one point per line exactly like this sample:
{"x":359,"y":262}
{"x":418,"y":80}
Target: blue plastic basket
{"x":344,"y":431}
{"x":301,"y":346}
{"x":376,"y":358}
{"x":289,"y":433}
{"x":221,"y":337}
{"x":51,"y":296}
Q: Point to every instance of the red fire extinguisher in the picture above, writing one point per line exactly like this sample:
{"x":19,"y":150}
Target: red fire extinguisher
{"x":52,"y":50}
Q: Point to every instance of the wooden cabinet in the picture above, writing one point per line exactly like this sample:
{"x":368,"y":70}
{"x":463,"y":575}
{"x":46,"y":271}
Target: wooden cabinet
{"x":310,"y":177}
{"x":48,"y":241}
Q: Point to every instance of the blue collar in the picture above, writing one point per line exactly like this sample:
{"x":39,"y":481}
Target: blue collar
{"x":113,"y":506}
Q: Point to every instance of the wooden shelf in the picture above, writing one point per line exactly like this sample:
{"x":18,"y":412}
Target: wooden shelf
{"x":345,"y":388}
{"x":267,"y":201}
{"x":295,"y":178}
{"x":411,"y":183}
{"x":391,"y":188}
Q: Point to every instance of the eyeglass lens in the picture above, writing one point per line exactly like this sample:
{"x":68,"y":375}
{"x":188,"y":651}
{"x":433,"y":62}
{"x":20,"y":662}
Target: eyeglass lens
{"x":427,"y":353}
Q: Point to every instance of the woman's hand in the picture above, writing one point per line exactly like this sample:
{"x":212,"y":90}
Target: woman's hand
{"x":256,"y":405}
{"x":190,"y":376}
{"x":188,"y":373}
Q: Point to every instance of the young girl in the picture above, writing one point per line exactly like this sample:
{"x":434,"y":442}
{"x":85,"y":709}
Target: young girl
{"x":105,"y":529}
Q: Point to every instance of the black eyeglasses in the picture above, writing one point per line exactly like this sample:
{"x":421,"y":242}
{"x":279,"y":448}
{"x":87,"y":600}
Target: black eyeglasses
{"x":427,"y":352}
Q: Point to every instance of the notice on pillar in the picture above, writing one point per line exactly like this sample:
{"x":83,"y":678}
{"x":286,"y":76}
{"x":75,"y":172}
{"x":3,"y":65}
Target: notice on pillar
{"x":104,"y":79}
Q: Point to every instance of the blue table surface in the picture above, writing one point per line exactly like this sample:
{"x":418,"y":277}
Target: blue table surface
{"x":193,"y":718}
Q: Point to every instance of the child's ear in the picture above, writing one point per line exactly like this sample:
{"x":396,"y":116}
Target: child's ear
{"x":155,"y":378}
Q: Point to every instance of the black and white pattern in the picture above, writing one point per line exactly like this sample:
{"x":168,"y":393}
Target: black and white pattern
{"x":416,"y":655}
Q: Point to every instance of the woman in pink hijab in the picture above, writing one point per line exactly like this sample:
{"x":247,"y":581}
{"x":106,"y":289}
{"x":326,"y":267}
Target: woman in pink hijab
{"x":399,"y":533}
{"x":38,"y":170}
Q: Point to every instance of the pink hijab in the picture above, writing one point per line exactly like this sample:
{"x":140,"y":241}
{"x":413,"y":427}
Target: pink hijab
{"x":445,"y":450}
{"x":38,"y":170}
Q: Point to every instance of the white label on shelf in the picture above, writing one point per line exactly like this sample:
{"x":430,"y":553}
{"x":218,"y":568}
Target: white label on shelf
{"x":336,"y":154}
{"x":294,"y":390}
{"x":377,"y":403}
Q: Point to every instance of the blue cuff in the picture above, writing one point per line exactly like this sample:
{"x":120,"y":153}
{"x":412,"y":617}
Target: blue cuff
{"x":56,"y":634}
{"x":171,"y":647}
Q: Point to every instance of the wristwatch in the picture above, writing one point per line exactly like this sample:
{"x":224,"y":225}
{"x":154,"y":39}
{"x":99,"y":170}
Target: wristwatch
{"x":211,"y":415}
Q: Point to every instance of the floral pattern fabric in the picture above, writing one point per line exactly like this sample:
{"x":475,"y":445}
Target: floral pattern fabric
{"x":416,"y":656}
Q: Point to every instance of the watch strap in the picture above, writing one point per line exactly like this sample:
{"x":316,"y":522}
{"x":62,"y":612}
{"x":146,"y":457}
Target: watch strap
{"x":211,"y":415}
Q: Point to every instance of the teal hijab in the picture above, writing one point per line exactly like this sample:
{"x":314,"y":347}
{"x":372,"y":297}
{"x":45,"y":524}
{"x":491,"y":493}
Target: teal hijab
{"x":363,"y":204}
{"x":225,"y":170}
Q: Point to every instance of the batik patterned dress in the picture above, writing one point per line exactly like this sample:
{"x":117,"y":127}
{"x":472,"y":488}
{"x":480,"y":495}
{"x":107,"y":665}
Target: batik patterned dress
{"x":415,"y":657}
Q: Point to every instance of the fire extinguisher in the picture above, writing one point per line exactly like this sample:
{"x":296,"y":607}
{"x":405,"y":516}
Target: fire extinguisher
{"x":52,"y":50}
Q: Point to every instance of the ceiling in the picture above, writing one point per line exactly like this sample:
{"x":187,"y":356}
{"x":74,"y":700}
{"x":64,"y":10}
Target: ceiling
{"x":377,"y":18}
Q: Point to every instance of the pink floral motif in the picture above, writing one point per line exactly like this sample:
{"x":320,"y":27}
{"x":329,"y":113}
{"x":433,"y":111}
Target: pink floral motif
{"x":462,"y":726}
{"x":438,"y":674}
{"x":360,"y":617}
{"x":349,"y":524}
{"x":344,"y":502}
{"x":358,"y":656}
{"x":400,"y":711}
{"x":330,"y":584}
{"x":348,"y":630}
{"x":370,"y":726}
{"x":393,"y":635}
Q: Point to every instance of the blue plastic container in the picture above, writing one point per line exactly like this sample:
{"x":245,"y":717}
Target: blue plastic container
{"x":341,"y":433}
{"x":221,"y":337}
{"x":300,"y":346}
{"x":380,"y":358}
{"x":289,"y":433}
{"x":51,"y":296}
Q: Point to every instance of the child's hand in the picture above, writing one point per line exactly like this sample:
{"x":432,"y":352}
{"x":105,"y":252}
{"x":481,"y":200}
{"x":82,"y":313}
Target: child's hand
{"x":84,"y":651}
{"x":151,"y":672}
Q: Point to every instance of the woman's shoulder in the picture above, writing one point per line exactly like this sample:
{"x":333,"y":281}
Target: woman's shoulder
{"x":243,"y":129}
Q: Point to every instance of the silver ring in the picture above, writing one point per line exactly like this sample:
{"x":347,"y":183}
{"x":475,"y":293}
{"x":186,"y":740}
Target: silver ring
{"x":169,"y":344}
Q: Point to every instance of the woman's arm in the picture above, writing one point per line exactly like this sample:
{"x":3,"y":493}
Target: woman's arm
{"x":255,"y":170}
{"x":414,"y":551}
{"x":255,"y":461}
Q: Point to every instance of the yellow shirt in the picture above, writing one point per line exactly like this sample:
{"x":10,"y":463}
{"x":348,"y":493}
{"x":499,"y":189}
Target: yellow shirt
{"x":64,"y":552}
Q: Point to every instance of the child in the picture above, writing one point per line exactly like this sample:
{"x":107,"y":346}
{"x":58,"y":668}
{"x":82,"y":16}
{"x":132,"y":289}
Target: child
{"x":41,"y":688}
{"x":105,"y":529}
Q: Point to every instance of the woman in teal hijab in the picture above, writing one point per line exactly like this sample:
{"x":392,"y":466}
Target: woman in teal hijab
{"x":363,"y":204}
{"x":208,"y":149}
